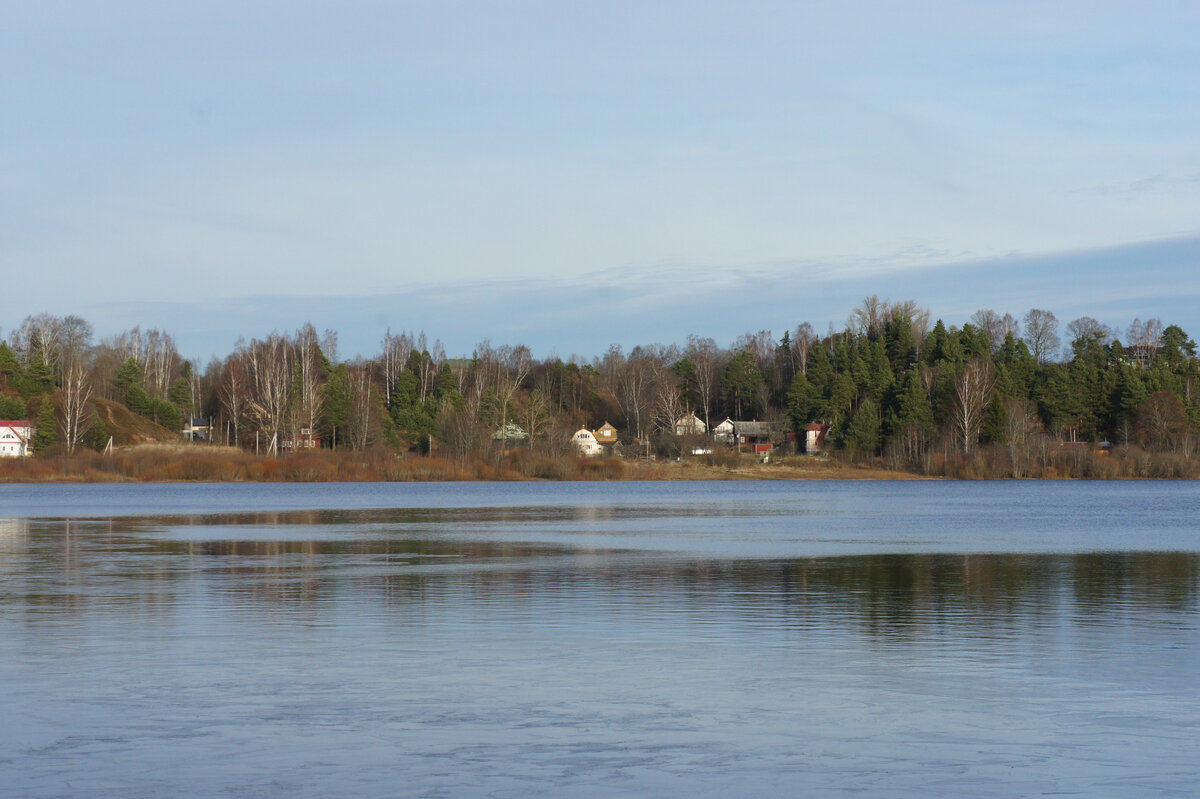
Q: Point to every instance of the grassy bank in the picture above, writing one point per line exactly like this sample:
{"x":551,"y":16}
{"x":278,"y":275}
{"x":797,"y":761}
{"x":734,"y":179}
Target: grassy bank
{"x":187,"y":463}
{"x":182,"y":463}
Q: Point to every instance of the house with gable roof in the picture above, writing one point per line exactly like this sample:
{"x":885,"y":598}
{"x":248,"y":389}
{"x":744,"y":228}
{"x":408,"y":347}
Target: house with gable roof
{"x":14,"y":438}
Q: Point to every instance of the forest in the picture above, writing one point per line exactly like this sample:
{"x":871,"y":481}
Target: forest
{"x":995,"y":397}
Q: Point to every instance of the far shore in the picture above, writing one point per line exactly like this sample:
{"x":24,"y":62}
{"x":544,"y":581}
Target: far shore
{"x":179,"y":463}
{"x":182,"y":463}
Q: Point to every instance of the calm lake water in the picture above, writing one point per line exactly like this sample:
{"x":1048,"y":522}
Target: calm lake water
{"x":596,"y":640}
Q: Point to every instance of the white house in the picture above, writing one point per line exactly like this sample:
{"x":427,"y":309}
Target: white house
{"x":690,"y":425}
{"x":724,"y":431}
{"x":14,"y":438}
{"x":585,"y":443}
{"x":814,"y":437}
{"x":196,"y":429}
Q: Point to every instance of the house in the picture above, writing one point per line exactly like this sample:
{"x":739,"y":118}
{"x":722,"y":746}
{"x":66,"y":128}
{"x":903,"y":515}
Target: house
{"x":814,"y":438}
{"x":196,"y":429}
{"x":724,"y":431}
{"x":753,"y":432}
{"x":690,"y":425}
{"x":585,"y":443}
{"x":14,"y":438}
{"x":308,"y":438}
{"x":606,"y":434}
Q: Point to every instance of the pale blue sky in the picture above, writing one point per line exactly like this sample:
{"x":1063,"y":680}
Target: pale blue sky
{"x":440,"y":151}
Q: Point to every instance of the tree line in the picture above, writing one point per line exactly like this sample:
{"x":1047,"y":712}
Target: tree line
{"x":892,"y":383}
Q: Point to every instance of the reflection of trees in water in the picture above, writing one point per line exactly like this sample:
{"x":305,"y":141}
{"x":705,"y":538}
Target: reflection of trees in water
{"x":308,"y":561}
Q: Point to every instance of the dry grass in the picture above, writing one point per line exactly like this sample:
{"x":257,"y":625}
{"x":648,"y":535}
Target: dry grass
{"x":200,"y":463}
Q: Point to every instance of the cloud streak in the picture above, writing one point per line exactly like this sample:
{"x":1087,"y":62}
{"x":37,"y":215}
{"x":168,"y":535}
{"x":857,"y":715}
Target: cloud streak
{"x":631,"y":306}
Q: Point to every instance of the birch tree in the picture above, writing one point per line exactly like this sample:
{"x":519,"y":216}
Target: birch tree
{"x":74,"y":420}
{"x":233,"y":393}
{"x":972,"y":393}
{"x":269,"y":367}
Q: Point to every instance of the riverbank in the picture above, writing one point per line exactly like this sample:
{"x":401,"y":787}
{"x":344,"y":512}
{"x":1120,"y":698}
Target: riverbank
{"x":179,"y":463}
{"x":192,"y":463}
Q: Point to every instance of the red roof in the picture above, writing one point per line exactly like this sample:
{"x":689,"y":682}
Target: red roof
{"x":15,"y":423}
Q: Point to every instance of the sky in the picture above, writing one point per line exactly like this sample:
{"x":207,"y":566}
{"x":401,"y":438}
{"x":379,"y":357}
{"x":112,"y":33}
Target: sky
{"x":571,"y":175}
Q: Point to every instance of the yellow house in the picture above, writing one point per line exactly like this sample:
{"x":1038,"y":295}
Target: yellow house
{"x":606,"y":434}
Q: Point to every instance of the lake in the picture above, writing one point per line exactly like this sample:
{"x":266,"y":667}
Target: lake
{"x":715,"y":639}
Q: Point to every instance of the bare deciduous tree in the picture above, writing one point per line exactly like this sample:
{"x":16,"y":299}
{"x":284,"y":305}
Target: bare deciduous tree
{"x":1041,"y":334}
{"x":993,"y":325}
{"x":311,"y":376}
{"x":707,"y":358}
{"x":802,"y":343}
{"x":361,"y":420}
{"x":269,"y":366}
{"x":514,"y":365}
{"x":233,"y":394}
{"x":1021,"y":424}
{"x":1144,"y":339}
{"x":972,"y":393}
{"x":76,"y":394}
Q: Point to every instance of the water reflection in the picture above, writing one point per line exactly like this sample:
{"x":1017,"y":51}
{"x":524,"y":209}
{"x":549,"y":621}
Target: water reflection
{"x":307,"y":561}
{"x":660,"y":649}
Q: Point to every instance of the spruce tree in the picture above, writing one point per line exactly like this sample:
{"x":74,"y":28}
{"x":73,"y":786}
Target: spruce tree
{"x":46,"y":435}
{"x":862,"y":434}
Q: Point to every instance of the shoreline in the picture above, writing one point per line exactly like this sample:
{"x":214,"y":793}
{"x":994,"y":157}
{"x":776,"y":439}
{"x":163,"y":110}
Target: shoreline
{"x":188,"y":464}
{"x":171,"y":463}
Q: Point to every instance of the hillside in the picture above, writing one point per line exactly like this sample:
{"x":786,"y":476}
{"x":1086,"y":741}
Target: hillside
{"x":126,"y":427}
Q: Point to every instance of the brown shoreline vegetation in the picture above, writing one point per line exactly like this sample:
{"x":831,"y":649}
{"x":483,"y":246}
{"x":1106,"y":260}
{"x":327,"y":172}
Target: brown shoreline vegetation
{"x":199,"y":463}
{"x":207,"y":463}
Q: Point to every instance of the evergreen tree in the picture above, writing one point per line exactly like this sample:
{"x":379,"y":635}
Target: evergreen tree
{"x":39,"y":378}
{"x":975,"y":342}
{"x":336,"y":404}
{"x":46,"y":435}
{"x":12,"y":407}
{"x":901,"y":343}
{"x":912,"y":407}
{"x":862,"y":434}
{"x":1018,"y":365}
{"x":742,"y":385}
{"x":820,"y":373}
{"x":164,"y":412}
{"x":934,"y":349}
{"x":684,"y":371}
{"x":138,"y":401}
{"x":446,"y":387}
{"x":801,"y":407}
{"x":128,"y":376}
{"x":879,"y":376}
{"x":180,"y":395}
{"x":836,"y":408}
{"x":11,"y":373}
